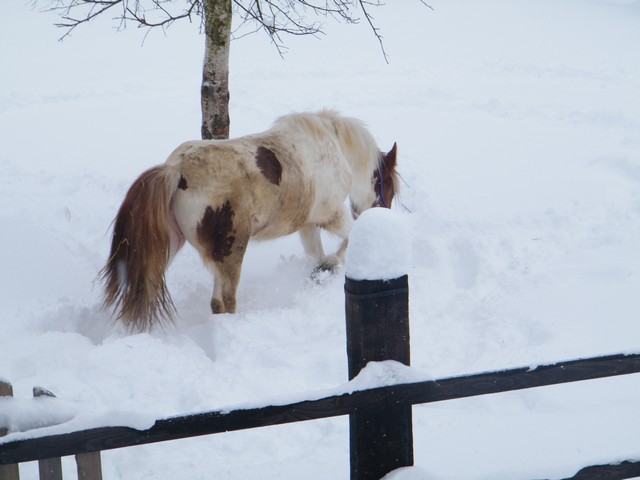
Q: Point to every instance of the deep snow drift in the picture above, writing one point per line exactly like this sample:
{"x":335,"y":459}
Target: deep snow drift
{"x":518,"y":126}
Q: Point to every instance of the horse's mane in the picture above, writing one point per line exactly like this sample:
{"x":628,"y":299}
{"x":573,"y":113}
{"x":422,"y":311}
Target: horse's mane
{"x":355,"y":140}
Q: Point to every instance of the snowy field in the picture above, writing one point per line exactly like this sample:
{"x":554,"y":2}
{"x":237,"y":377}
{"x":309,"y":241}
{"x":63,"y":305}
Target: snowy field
{"x":518,"y":125}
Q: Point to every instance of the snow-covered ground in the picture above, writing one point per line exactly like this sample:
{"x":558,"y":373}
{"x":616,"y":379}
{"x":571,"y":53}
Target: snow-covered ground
{"x":518,"y":125}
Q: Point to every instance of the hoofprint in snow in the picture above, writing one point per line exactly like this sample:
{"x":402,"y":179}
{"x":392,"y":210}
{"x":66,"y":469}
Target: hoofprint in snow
{"x":521,"y":160}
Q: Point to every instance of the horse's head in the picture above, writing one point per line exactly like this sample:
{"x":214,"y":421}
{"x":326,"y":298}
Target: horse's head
{"x":385,"y":178}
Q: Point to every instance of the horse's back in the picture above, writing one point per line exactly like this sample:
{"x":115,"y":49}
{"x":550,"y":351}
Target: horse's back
{"x":297,"y":173}
{"x":258,"y":177}
{"x":312,"y":140}
{"x":348,"y":154}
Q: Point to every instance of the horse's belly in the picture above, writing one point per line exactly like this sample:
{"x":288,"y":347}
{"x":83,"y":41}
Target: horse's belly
{"x":328,"y":201}
{"x":276,"y":225}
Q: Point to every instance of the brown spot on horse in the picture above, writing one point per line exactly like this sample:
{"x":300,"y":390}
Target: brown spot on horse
{"x":214,"y":231}
{"x":269,"y":165}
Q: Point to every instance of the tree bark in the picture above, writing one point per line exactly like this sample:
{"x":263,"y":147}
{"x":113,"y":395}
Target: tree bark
{"x":215,"y":73}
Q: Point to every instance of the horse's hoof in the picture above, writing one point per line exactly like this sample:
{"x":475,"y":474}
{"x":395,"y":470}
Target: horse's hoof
{"x":323,"y":272}
{"x":216,"y":306}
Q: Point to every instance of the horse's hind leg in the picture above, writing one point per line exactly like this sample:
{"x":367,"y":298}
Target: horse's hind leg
{"x":218,"y":303}
{"x":223,"y":235}
{"x":227,"y":277}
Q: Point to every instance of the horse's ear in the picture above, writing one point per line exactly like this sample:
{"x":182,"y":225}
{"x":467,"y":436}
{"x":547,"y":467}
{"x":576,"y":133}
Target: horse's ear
{"x":391,"y":158}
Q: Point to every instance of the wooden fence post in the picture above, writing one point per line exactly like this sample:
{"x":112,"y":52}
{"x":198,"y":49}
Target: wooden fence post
{"x":377,"y":316}
{"x":7,"y":472}
{"x":49,"y":468}
{"x":89,"y":466}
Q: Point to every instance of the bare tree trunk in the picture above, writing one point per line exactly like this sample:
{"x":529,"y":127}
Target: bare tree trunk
{"x":215,"y":74}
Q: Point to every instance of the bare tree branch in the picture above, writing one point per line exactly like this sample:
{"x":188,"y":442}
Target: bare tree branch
{"x":137,"y":16}
{"x":96,"y":8}
{"x":363,"y":4}
{"x":275,"y":17}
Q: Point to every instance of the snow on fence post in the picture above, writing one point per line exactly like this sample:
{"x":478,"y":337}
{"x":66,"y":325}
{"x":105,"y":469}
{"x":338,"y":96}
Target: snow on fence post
{"x":7,"y":472}
{"x":89,"y":465}
{"x":49,"y":468}
{"x":377,"y":317}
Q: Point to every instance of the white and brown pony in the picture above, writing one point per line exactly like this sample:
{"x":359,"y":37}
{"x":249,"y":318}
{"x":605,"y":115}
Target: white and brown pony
{"x":219,"y":194}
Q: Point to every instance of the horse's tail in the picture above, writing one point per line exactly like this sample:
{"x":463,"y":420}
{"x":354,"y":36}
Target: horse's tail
{"x":145,"y":238}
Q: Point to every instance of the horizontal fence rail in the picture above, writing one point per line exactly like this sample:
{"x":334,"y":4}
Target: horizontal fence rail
{"x":620,"y":471}
{"x":105,"y":438}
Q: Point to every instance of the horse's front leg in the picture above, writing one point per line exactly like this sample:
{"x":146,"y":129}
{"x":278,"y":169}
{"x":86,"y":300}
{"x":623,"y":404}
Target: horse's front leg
{"x":340,"y":225}
{"x":311,"y":242}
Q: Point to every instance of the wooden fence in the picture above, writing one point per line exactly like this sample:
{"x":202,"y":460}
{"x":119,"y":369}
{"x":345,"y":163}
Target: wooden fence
{"x":380,"y":418}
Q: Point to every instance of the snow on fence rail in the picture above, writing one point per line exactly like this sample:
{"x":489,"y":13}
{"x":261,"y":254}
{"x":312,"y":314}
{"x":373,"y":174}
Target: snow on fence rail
{"x":50,"y":468}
